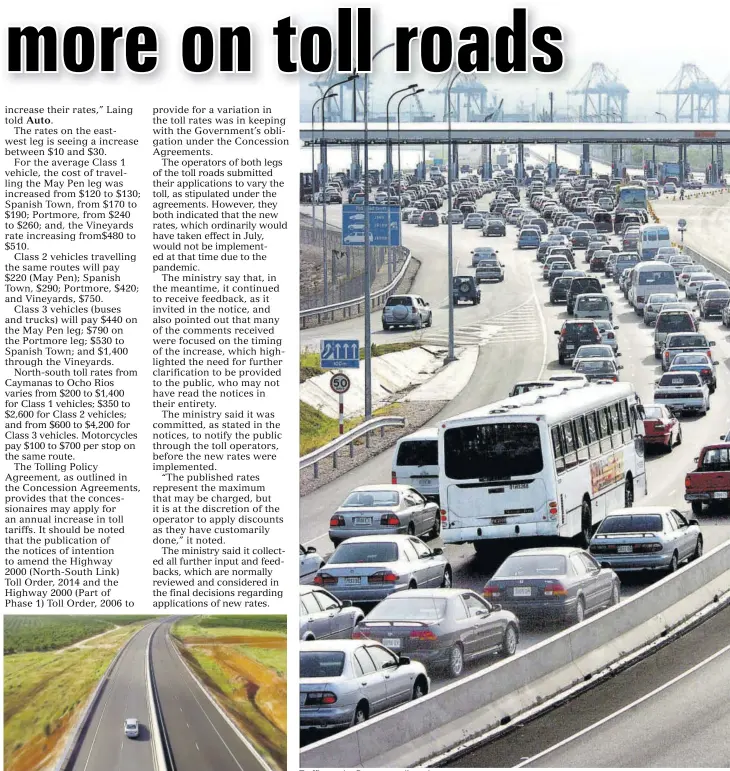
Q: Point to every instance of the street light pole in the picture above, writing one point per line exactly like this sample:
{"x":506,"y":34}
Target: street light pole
{"x":388,"y":148}
{"x":397,"y":112}
{"x":317,"y":101}
{"x":325,"y":174}
{"x":450,"y":356}
{"x":366,"y":233}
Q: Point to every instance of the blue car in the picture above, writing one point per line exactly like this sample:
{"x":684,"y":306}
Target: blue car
{"x":699,"y":363}
{"x":529,"y":239}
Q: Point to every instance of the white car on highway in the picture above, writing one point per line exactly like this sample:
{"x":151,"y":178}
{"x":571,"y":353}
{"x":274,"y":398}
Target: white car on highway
{"x":131,"y":727}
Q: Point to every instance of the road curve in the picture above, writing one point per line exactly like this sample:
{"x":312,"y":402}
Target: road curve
{"x":201,"y":739}
{"x":103,"y":746}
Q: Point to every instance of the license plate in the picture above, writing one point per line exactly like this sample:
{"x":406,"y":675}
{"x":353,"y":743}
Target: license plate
{"x":391,"y":643}
{"x":522,"y":591}
{"x":569,"y":347}
{"x":363,"y":520}
{"x":625,"y":549}
{"x":720,"y":495}
{"x":352,"y":579}
{"x":425,"y":481}
{"x":499,"y":520}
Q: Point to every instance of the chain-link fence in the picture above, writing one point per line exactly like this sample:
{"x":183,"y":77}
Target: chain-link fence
{"x":345,"y":266}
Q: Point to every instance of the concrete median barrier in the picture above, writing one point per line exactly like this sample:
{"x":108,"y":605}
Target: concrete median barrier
{"x":496,"y":696}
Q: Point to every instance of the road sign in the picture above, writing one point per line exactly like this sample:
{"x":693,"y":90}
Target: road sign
{"x":340,"y":383}
{"x":384,"y":225}
{"x":339,"y":354}
{"x":682,"y":224}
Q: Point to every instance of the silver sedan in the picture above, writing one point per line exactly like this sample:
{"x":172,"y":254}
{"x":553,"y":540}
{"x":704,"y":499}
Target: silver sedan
{"x":645,"y":537}
{"x":384,"y":509}
{"x":369,"y":568}
{"x":344,"y":683}
{"x":323,"y":616}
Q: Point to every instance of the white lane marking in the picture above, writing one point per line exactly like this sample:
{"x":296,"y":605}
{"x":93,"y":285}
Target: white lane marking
{"x":628,"y":707}
{"x":319,"y":537}
{"x":196,"y":747}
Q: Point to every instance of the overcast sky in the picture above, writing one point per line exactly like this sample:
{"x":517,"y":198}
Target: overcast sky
{"x":645,"y":44}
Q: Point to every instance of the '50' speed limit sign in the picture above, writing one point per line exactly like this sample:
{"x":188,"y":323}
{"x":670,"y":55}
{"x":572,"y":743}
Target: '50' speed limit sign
{"x":340,"y":383}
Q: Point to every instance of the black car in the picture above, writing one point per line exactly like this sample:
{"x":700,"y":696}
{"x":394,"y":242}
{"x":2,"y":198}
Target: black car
{"x":465,"y":288}
{"x":559,"y":289}
{"x":494,"y":227}
{"x":583,"y":285}
{"x":574,"y":334}
{"x":580,"y":239}
{"x":429,"y":219}
{"x":598,"y":260}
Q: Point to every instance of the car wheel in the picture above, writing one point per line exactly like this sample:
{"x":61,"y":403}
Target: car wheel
{"x":456,"y":661}
{"x":670,"y":446}
{"x":429,"y":321}
{"x":420,"y":688}
{"x":386,"y":327}
{"x":561,"y":358}
{"x":361,"y":713}
{"x":615,"y":594}
{"x":509,"y":641}
{"x":697,"y":508}
{"x":436,"y":529}
{"x":580,"y":611}
{"x":673,"y":564}
{"x":419,"y":322}
{"x":411,"y":528}
{"x":335,"y":542}
{"x":586,"y":524}
{"x":698,"y":548}
{"x":679,"y":436}
{"x":448,"y":578}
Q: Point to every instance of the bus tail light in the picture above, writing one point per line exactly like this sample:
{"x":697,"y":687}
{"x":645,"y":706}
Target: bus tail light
{"x":444,"y":519}
{"x":553,"y":509}
{"x":555,"y":589}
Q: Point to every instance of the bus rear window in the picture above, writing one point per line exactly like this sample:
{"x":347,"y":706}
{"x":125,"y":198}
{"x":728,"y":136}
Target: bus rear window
{"x":492,"y":451}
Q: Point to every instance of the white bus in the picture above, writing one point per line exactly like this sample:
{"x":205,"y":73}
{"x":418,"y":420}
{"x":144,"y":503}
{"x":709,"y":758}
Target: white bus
{"x":648,"y":278}
{"x":541,"y":464}
{"x":651,"y":239}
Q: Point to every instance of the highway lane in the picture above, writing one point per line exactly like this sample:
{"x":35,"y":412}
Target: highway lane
{"x":668,"y":711}
{"x":500,"y":365}
{"x":200,"y":738}
{"x":104,"y":746}
{"x":707,"y":218}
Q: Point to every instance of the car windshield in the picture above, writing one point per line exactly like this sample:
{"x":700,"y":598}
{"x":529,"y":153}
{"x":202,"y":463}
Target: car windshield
{"x":364,"y":553}
{"x":632,"y":523}
{"x":492,"y":451}
{"x":402,"y":608}
{"x":418,"y":453}
{"x":321,"y":663}
{"x":679,"y":379}
{"x":532,"y":565}
{"x":365,"y":498}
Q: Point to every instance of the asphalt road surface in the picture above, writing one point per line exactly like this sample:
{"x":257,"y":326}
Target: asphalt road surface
{"x":514,"y":327}
{"x":668,"y":711}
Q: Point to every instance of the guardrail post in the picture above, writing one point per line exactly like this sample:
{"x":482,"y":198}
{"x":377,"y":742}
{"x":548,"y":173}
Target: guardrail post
{"x":334,"y":459}
{"x":382,"y":431}
{"x":316,"y":470}
{"x":352,"y":449}
{"x":367,"y":440}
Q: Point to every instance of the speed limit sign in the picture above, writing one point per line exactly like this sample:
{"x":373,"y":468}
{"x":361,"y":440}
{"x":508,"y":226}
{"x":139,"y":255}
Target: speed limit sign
{"x":340,"y":383}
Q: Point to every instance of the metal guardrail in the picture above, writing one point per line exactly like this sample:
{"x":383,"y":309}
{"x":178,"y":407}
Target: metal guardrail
{"x":719,"y":270}
{"x":158,"y":749}
{"x":348,"y":440}
{"x":376,"y":300}
{"x":169,"y":759}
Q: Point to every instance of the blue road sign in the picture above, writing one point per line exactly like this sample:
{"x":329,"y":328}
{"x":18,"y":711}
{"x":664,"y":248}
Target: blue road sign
{"x":384,"y":225}
{"x":339,"y":354}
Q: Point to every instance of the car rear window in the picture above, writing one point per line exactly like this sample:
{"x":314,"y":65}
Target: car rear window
{"x":579,"y":328}
{"x":674,"y":379}
{"x":632,"y":523}
{"x":398,"y":301}
{"x":422,"y":452}
{"x":367,"y":498}
{"x":687,"y":341}
{"x":593,"y":302}
{"x":532,"y":565}
{"x":321,"y":663}
{"x":680,"y":321}
{"x":396,"y":608}
{"x":364,"y":553}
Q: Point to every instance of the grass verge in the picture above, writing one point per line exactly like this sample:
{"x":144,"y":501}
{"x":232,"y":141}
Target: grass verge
{"x":316,"y":428}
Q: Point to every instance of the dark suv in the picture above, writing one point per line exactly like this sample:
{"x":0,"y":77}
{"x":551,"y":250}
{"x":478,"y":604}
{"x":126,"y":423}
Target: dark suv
{"x":573,"y":335}
{"x":429,"y":219}
{"x":583,"y":285}
{"x":465,"y":288}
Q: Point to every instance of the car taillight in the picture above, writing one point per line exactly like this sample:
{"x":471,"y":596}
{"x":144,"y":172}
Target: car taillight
{"x":337,"y":520}
{"x":444,"y":518}
{"x":361,"y":634}
{"x":611,"y":336}
{"x":393,"y":478}
{"x":687,"y":483}
{"x":666,"y":355}
{"x":647,"y":547}
{"x":320,"y":697}
{"x":324,"y":579}
{"x":705,"y":371}
{"x":391,"y":520}
{"x":490,"y":591}
{"x":422,"y":634}
{"x":383,"y":577}
{"x":555,"y":589}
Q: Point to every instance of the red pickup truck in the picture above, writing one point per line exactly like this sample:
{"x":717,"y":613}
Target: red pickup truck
{"x":710,"y":481}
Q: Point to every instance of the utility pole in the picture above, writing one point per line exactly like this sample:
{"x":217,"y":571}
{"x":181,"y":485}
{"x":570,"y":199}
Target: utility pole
{"x":555,"y":146}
